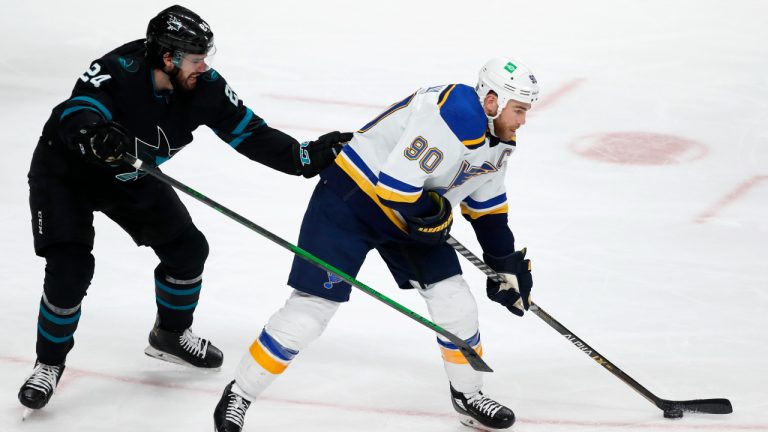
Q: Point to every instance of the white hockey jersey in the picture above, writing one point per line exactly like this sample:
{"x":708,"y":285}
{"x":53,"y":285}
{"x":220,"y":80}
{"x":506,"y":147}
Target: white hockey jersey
{"x":433,"y":140}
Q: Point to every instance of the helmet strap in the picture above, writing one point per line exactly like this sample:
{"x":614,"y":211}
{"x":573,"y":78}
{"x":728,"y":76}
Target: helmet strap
{"x":501,"y":103}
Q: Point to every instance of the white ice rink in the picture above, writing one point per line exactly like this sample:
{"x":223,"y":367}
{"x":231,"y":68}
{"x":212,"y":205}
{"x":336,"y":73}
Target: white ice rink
{"x":640,"y":187}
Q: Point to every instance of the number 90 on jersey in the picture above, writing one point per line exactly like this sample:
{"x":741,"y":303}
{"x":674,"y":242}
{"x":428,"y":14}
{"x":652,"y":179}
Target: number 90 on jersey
{"x":429,"y":157}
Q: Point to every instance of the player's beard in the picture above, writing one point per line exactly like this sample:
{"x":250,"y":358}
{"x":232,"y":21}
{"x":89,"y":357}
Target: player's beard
{"x":183,"y":83}
{"x":187,"y":83}
{"x":503,"y":133}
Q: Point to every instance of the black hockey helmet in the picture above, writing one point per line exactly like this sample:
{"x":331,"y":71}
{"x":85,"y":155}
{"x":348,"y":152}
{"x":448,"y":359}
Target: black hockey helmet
{"x":178,"y":30}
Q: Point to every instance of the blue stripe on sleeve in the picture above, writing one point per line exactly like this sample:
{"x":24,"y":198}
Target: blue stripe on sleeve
{"x":397,"y":184}
{"x":239,"y":139}
{"x":395,"y":107}
{"x":104,"y":111}
{"x":479,"y":205}
{"x":69,"y":111}
{"x":358,"y":161}
{"x":244,"y":122}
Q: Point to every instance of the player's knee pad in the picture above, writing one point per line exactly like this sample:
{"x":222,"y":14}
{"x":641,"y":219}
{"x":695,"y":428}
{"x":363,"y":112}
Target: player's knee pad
{"x":184,"y":257}
{"x":452,"y":306}
{"x":301,"y":320}
{"x":68,"y":273}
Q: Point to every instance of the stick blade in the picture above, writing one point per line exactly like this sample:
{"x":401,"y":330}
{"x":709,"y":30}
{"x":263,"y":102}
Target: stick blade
{"x":706,"y":406}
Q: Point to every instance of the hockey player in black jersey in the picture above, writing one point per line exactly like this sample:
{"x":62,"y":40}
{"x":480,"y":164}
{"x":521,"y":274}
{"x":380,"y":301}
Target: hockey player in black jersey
{"x":145,"y":99}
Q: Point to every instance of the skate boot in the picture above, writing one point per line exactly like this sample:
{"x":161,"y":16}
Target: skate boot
{"x":229,"y":414}
{"x":39,"y":387}
{"x":184,"y":348}
{"x":480,"y":412}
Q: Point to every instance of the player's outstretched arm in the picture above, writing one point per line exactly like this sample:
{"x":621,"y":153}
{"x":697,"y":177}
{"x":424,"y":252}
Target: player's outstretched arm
{"x":311,"y":157}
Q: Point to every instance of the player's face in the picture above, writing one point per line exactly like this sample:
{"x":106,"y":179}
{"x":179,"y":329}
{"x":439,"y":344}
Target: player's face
{"x":510,"y":120}
{"x":190,"y":69}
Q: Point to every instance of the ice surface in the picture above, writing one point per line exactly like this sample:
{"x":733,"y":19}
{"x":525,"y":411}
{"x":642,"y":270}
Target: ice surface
{"x":659,"y":264}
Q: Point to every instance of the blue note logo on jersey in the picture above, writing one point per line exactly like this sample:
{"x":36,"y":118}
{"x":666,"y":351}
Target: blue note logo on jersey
{"x":332,"y":279}
{"x":468,"y":172}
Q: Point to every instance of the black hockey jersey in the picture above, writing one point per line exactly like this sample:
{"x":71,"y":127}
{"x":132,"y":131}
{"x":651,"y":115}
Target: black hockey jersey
{"x":120,"y":87}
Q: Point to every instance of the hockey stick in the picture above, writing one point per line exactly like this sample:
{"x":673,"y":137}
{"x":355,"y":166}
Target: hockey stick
{"x":473,"y":358}
{"x":672,"y":409}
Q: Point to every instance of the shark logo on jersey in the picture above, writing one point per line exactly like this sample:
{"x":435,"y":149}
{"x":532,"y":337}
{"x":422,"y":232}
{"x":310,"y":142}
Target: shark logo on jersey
{"x":468,"y":172}
{"x":152,"y":153}
{"x":174,"y":23}
{"x":332,"y":279}
{"x":128,"y":64}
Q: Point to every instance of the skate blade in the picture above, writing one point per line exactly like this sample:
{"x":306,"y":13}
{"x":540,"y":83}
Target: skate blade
{"x":152,"y":352}
{"x":474,"y":424}
{"x":27,"y":412}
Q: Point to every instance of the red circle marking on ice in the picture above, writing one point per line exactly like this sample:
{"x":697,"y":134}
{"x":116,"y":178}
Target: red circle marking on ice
{"x":638,"y":148}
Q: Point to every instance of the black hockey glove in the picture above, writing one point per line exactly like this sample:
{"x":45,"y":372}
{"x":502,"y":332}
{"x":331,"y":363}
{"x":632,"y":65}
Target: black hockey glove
{"x":104,"y":141}
{"x":515,"y":291}
{"x":312,"y":156}
{"x":433,"y":229}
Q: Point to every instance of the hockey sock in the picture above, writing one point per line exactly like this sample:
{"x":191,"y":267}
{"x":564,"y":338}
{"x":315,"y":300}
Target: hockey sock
{"x":55,"y":329}
{"x":68,"y":273}
{"x":176,"y":299}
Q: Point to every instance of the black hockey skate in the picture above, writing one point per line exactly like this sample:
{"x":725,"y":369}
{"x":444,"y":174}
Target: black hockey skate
{"x":184,"y":348}
{"x":39,"y":387}
{"x":229,"y":414}
{"x":480,"y":412}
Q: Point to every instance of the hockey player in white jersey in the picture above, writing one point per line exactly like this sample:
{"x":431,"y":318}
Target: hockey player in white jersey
{"x":392,"y":189}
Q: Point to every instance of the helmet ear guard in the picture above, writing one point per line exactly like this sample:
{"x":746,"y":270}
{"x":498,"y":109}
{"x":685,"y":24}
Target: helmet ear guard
{"x":509,"y":79}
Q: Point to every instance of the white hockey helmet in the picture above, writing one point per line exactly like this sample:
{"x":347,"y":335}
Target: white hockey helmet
{"x":509,"y":79}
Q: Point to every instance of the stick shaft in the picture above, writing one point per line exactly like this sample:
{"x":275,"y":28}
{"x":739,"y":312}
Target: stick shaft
{"x":709,"y":406}
{"x":472,"y":357}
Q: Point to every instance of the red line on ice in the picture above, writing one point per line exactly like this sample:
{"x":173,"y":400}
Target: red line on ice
{"x":73,"y":374}
{"x":730,"y":197}
{"x":549,"y":99}
{"x":545,"y":103}
{"x":325,"y":101}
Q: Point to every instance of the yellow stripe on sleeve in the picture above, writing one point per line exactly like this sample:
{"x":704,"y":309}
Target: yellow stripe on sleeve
{"x":456,"y":357}
{"x":390,"y":195}
{"x":477,"y":214}
{"x":475,"y":141}
{"x":265,"y":360}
